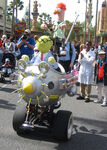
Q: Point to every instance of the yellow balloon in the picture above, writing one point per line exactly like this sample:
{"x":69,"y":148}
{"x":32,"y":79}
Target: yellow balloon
{"x":25,"y":57}
{"x":51,"y":60}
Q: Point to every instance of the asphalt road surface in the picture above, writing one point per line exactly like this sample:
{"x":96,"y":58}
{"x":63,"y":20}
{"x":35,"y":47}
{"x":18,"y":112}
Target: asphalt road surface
{"x":89,"y":133}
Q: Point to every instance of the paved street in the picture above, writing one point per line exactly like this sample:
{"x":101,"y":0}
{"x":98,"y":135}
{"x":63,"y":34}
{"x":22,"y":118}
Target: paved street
{"x":90,"y":125}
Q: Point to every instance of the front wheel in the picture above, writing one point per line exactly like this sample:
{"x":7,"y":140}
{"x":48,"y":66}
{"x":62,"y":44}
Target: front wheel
{"x":63,"y":125}
{"x":19,"y":117}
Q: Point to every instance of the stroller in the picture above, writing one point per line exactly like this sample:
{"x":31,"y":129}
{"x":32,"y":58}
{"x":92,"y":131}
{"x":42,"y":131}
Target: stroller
{"x":8,"y":65}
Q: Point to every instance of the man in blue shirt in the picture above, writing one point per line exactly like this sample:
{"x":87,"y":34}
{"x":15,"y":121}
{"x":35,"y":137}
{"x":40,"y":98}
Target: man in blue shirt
{"x":67,"y":61}
{"x":26,"y":44}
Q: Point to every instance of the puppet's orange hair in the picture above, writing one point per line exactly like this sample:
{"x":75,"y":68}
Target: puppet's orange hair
{"x":61,"y":6}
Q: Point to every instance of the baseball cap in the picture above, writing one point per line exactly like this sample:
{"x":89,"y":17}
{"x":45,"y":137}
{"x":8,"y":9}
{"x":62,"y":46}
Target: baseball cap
{"x":101,"y":52}
{"x":4,"y":36}
{"x":27,"y":31}
{"x":7,"y":60}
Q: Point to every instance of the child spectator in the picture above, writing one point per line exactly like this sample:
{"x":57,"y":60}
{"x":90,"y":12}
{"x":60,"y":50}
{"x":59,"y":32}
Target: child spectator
{"x":101,"y":78}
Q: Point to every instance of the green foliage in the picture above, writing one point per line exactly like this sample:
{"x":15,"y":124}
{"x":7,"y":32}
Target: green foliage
{"x":72,"y":36}
{"x":45,"y":18}
{"x":18,"y":4}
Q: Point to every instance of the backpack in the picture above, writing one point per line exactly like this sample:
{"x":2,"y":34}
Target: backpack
{"x":100,"y":72}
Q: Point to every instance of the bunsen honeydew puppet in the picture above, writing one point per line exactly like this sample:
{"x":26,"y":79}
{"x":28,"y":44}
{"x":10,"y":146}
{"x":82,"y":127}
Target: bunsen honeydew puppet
{"x":59,"y":33}
{"x":44,"y":43}
{"x":60,"y":26}
{"x":59,"y":30}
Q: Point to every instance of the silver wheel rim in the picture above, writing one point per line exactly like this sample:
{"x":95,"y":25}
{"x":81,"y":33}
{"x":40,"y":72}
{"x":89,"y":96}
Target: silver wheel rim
{"x":70,"y":127}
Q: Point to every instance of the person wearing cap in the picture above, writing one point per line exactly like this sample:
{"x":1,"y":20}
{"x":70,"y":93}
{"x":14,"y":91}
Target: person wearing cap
{"x":7,"y":66}
{"x":4,"y":41}
{"x":4,"y":37}
{"x":26,"y":44}
{"x":85,"y":78}
{"x":101,"y":78}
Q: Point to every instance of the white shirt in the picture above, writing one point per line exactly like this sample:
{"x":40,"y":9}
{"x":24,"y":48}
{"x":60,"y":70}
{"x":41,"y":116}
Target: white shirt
{"x":37,"y":59}
{"x":86,"y":67}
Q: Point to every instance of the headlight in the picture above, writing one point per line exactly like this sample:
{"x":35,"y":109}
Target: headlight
{"x":22,"y":65}
{"x":43,"y":67}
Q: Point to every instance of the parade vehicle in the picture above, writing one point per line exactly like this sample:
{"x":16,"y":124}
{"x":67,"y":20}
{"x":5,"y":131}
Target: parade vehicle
{"x":42,"y":88}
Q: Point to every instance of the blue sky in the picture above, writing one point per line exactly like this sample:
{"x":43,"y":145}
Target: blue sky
{"x":48,"y":6}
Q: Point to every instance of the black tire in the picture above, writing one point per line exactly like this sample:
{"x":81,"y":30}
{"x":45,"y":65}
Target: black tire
{"x":19,"y":117}
{"x":2,"y":79}
{"x":62,"y":122}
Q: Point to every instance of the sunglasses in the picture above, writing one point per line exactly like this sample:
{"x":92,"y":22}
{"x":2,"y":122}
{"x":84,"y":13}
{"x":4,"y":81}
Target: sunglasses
{"x":26,"y":33}
{"x":87,"y":43}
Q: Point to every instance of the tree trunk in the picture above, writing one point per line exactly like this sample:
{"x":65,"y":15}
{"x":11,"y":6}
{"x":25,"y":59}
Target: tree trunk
{"x":16,"y":12}
{"x":13,"y":18}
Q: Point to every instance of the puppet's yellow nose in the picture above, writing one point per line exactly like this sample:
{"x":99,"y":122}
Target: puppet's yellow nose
{"x":28,"y":88}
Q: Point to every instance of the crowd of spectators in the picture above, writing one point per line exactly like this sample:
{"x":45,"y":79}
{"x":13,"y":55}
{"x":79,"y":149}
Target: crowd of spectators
{"x":84,"y":55}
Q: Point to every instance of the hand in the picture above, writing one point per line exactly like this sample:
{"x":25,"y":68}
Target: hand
{"x":44,"y":26}
{"x":25,"y":42}
{"x":81,"y":55}
{"x":71,"y":66}
{"x":63,"y":26}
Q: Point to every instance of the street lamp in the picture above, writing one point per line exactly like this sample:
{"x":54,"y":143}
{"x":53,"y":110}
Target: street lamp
{"x":5,"y":14}
{"x":29,"y":13}
{"x":96,"y":22}
{"x":85,"y":19}
{"x":90,"y":18}
{"x":13,"y":18}
{"x":85,"y":22}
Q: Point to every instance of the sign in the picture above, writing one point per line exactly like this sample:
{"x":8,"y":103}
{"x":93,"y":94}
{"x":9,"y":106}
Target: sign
{"x":19,"y":28}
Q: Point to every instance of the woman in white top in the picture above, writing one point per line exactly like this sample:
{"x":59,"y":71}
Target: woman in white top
{"x":11,"y":46}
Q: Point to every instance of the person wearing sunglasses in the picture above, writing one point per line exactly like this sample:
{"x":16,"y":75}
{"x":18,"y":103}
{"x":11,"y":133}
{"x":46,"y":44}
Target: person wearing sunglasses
{"x":26,"y":44}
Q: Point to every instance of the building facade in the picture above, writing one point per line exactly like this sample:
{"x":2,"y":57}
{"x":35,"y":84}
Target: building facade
{"x":102,"y":23}
{"x":8,"y":25}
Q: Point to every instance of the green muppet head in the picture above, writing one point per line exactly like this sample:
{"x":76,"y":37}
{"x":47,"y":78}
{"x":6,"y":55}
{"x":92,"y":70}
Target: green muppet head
{"x":44,"y":43}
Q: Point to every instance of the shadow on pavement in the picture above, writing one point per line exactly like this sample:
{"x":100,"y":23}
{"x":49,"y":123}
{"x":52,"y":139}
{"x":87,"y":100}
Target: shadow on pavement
{"x":7,"y":105}
{"x":5,"y":89}
{"x":82,"y":138}
{"x":84,"y":141}
{"x":96,"y":123}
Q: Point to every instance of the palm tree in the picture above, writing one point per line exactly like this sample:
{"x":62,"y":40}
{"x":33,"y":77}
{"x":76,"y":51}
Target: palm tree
{"x":19,"y":5}
{"x":14,"y":5}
